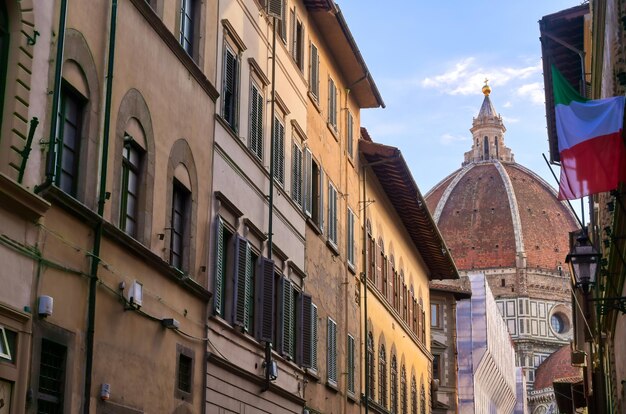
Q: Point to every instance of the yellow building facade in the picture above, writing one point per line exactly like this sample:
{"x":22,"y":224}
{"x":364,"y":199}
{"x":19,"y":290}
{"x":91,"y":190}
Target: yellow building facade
{"x":404,"y":250}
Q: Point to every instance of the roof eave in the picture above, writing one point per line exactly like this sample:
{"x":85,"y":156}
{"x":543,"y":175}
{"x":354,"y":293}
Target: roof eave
{"x":328,"y":17}
{"x":395,"y":177}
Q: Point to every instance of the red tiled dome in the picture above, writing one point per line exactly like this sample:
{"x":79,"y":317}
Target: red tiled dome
{"x":492,"y":213}
{"x":556,"y":366}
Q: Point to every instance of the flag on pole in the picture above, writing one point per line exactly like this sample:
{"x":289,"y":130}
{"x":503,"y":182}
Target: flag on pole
{"x":589,"y":132}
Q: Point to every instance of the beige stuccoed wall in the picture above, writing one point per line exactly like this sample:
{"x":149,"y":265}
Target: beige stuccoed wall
{"x":385,"y":322}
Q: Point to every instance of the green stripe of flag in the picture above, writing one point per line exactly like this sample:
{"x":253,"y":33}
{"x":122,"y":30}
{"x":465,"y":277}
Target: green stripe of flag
{"x":564,"y":93}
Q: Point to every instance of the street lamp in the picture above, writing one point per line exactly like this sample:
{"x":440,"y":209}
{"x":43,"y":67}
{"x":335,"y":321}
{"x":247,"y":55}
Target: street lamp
{"x":583,"y":260}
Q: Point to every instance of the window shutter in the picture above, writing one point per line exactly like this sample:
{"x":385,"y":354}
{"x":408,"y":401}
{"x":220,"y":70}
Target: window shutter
{"x":331,"y":356}
{"x":265,"y":300}
{"x":241,"y":282}
{"x":279,"y":151}
{"x":230,"y":87}
{"x":308,"y":182}
{"x":314,"y":78}
{"x":305,"y":330}
{"x":294,"y":40}
{"x":296,"y":175}
{"x":286,"y":317}
{"x":350,"y":238}
{"x":256,"y":122}
{"x":349,"y":134}
{"x":320,"y":210}
{"x":220,"y":254}
{"x":314,"y":336}
{"x":350,"y":363}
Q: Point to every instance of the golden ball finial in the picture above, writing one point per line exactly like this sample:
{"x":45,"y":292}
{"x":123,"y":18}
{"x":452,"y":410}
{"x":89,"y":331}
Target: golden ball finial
{"x":486,"y":88}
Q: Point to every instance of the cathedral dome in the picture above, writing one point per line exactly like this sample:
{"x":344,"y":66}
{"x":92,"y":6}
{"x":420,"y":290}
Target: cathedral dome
{"x":495,"y":213}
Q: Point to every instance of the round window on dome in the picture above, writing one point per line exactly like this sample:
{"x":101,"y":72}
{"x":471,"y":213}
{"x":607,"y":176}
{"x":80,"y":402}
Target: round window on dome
{"x":559,"y":323}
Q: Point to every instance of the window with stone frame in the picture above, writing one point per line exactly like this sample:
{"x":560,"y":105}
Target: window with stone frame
{"x":382,"y":376}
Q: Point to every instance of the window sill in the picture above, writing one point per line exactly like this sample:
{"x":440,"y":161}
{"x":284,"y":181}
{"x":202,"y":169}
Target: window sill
{"x":313,"y":225}
{"x":351,"y":160}
{"x":352,"y":268}
{"x":229,"y":128}
{"x":352,"y":397}
{"x":315,"y":101}
{"x":332,"y":386}
{"x":333,"y":248}
{"x":333,"y":130}
{"x":310,"y":372}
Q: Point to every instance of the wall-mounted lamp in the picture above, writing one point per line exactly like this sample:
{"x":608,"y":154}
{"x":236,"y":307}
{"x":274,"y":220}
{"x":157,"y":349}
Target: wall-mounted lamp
{"x":583,"y":260}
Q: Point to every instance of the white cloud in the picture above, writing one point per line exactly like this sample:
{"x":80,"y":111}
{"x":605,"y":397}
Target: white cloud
{"x":534,"y":91}
{"x":449,"y":139}
{"x":467,"y":75}
{"x":507,"y":104}
{"x":510,"y":120}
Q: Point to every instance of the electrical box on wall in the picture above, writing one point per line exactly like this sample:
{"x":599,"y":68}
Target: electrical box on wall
{"x":135,"y":294}
{"x":46,"y":305}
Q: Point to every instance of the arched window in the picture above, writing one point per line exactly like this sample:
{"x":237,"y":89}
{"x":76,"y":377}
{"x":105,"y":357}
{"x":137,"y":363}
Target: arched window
{"x":370,"y":362}
{"x":382,"y":376}
{"x":393,"y":388}
{"x":485,"y":148}
{"x":497,"y":149}
{"x":413,"y":395}
{"x":371,"y":253}
{"x":422,"y":399}
{"x":133,"y":182}
{"x":404,"y":404}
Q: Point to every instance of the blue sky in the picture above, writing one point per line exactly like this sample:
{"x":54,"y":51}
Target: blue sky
{"x":429,"y":60}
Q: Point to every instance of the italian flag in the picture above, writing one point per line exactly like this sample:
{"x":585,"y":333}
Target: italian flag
{"x":589,"y":132}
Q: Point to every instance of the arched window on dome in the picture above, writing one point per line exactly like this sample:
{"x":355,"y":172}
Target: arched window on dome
{"x":497,"y":149}
{"x":485,"y":148}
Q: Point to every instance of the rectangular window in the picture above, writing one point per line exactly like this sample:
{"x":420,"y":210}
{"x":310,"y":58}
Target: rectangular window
{"x":255,"y":139}
{"x":187,"y":16}
{"x":332,"y":214}
{"x":51,"y":377}
{"x":350,"y":242}
{"x":70,"y":125}
{"x":230,"y":87}
{"x":243,"y":284}
{"x":178,"y":226}
{"x":7,"y":344}
{"x":313,"y":194}
{"x":296,"y":175}
{"x":278,"y":142}
{"x":131,"y":167}
{"x":437,"y":367}
{"x":332,"y":104}
{"x":331,"y":352}
{"x":314,"y":76}
{"x":435,"y":315}
{"x":304,"y":330}
{"x":297,"y":40}
{"x":185,"y":372}
{"x":351,"y":352}
{"x":264,"y":295}
{"x":350,"y":135}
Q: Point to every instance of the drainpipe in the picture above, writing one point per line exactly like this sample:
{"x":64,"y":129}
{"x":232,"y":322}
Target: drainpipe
{"x":103,"y":196}
{"x":58,"y":72}
{"x":25,"y":152}
{"x":268,"y":345}
{"x":364,"y":281}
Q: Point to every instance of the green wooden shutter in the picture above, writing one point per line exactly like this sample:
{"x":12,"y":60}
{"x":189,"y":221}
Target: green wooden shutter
{"x":286,"y":318}
{"x":264,"y":299}
{"x":314,"y":77}
{"x":241,"y":282}
{"x":308,"y":182}
{"x":296,"y":174}
{"x":350,"y":363}
{"x":321,"y":201}
{"x":331,"y":356}
{"x":314,"y":337}
{"x":305,"y":330}
{"x":220,"y":255}
{"x":256,"y":122}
